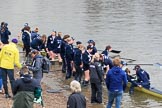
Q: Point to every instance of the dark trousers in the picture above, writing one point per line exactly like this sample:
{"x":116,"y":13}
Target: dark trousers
{"x":63,"y":63}
{"x":78,"y":74}
{"x":10,"y":74}
{"x":135,"y":84}
{"x":27,"y":50}
{"x":68,"y":69}
{"x":96,"y":95}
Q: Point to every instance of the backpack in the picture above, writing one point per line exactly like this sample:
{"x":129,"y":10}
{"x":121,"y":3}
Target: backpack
{"x":46,"y":65}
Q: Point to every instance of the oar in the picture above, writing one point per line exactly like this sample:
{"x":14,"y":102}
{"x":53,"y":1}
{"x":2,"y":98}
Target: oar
{"x":112,"y":51}
{"x":127,"y":59}
{"x":115,"y":51}
{"x":155,"y":64}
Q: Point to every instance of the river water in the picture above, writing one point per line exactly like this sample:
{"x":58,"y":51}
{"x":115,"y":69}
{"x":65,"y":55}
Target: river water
{"x":132,"y":26}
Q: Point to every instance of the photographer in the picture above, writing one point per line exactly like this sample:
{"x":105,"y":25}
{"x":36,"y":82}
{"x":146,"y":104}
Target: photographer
{"x":4,"y":33}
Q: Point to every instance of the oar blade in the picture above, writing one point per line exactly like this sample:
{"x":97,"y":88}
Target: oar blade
{"x":115,"y":51}
{"x":158,"y":65}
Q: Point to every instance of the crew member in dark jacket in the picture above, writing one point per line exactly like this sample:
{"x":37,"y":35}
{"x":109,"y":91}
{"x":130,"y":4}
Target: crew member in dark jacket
{"x":36,"y":66}
{"x":96,"y":78}
{"x":69,"y":58}
{"x":143,"y":79}
{"x":38,"y":43}
{"x":78,"y":63}
{"x":62,"y":53}
{"x":4,"y":33}
{"x":52,"y":45}
{"x":26,"y":39}
{"x":34,"y":34}
{"x":23,"y":90}
{"x":116,"y":82}
{"x":86,"y":56}
{"x":92,"y":44}
{"x":106,"y":58}
{"x":76,"y":99}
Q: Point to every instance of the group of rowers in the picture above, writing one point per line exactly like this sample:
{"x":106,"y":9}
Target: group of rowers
{"x":78,"y":60}
{"x":75,"y":59}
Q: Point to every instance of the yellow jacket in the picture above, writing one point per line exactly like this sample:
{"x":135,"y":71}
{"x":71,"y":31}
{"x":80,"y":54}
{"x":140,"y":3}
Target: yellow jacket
{"x":9,"y":56}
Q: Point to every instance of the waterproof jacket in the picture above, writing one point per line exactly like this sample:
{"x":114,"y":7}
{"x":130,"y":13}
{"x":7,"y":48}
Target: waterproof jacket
{"x":37,"y":44}
{"x":69,"y":54}
{"x":25,"y":83}
{"x":77,"y":56}
{"x":142,"y":76}
{"x":116,"y":79}
{"x":86,"y":59}
{"x":9,"y":56}
{"x":26,"y":38}
{"x":52,"y":43}
{"x":34,"y":35}
{"x":76,"y":100}
{"x":106,"y":59}
{"x":4,"y":33}
{"x":36,"y":67}
{"x":96,"y":72}
{"x":94,"y":50}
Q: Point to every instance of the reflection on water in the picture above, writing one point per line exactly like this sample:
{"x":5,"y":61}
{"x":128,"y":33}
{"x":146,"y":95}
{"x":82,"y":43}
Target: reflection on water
{"x":132,"y":26}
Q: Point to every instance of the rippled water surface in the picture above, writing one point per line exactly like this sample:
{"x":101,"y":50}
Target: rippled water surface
{"x":132,"y":26}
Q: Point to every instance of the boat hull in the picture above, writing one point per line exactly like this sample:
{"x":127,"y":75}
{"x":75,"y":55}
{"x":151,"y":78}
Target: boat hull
{"x":152,"y":91}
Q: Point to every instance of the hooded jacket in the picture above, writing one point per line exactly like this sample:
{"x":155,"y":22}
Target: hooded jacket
{"x":24,"y":92}
{"x":116,"y":79}
{"x":25,"y":83}
{"x":9,"y":56}
{"x":36,"y":67}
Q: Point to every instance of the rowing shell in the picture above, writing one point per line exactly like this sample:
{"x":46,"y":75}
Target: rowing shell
{"x":152,"y":91}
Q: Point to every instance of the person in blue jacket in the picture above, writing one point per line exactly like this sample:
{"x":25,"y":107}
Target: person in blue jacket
{"x":4,"y":33}
{"x":92,"y":44}
{"x":143,"y":79}
{"x":116,"y":82}
{"x":69,"y":58}
{"x":26,"y":39}
{"x":62,"y":52}
{"x":106,"y":58}
{"x":34,"y":33}
{"x":86,"y":56}
{"x":52,"y":45}
{"x":38,"y":43}
{"x":78,"y":63}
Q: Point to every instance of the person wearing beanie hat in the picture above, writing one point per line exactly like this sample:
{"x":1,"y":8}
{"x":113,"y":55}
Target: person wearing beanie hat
{"x":14,"y":40}
{"x":9,"y":57}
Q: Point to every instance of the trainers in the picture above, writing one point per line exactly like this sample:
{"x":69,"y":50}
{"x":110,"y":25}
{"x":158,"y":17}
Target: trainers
{"x":7,"y":96}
